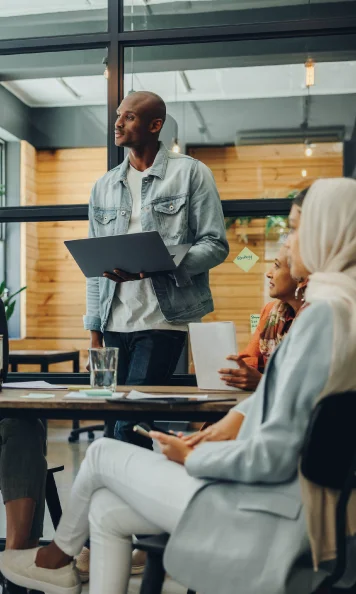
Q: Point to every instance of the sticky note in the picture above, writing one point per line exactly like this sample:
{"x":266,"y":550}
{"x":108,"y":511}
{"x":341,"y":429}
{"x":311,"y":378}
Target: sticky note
{"x":254,"y":319}
{"x":246,"y":259}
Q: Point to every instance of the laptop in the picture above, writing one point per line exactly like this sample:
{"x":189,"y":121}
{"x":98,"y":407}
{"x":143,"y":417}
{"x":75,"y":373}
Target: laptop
{"x":132,"y":253}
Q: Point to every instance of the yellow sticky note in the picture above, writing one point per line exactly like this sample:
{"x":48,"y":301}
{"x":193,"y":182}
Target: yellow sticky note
{"x":246,"y":259}
{"x":254,"y":320}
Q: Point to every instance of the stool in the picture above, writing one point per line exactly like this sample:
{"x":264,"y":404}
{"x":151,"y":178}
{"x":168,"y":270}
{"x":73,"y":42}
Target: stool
{"x":154,"y":573}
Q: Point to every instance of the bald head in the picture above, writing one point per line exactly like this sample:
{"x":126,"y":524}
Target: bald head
{"x":148,"y":103}
{"x":141,"y":116}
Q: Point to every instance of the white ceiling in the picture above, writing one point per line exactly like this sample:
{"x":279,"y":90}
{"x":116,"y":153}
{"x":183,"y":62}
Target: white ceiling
{"x":22,"y":7}
{"x":331,"y":78}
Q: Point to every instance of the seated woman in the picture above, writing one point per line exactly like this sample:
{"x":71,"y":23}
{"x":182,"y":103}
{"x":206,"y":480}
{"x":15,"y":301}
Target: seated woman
{"x":23,"y":470}
{"x":233,"y":506}
{"x":275,"y":321}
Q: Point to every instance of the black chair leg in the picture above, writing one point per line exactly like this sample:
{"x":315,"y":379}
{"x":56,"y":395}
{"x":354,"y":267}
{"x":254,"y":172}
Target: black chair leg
{"x":52,"y":499}
{"x":154,"y":575}
{"x":10,"y":588}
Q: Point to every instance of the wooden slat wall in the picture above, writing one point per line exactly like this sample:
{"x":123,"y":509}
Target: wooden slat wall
{"x":56,"y":287}
{"x":29,"y":256}
{"x":270,"y":171}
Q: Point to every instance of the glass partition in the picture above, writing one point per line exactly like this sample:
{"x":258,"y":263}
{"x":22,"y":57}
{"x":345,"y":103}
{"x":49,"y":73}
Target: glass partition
{"x":37,"y":18}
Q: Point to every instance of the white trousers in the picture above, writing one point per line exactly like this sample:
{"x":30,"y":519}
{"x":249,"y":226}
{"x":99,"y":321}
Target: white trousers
{"x":121,"y":490}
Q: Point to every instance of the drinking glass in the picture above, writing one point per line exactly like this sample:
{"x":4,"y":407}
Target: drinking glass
{"x":103,"y":368}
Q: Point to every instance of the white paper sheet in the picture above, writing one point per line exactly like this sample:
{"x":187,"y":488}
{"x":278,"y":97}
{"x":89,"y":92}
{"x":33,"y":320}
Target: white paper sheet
{"x":40,"y":385}
{"x":88,"y":396}
{"x":135,"y":395}
{"x":211,"y":344}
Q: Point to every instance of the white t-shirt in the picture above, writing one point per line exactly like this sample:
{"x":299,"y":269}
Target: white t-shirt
{"x":135,"y":306}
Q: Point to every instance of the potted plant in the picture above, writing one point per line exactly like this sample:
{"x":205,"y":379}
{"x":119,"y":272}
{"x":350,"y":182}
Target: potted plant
{"x":8,"y":300}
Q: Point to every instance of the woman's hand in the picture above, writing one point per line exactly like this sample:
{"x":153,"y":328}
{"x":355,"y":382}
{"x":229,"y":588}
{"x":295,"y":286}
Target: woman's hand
{"x":225,"y":430}
{"x":244,"y":378}
{"x":172,"y":447}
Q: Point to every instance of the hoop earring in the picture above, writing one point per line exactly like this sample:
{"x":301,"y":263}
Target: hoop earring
{"x":296,"y":294}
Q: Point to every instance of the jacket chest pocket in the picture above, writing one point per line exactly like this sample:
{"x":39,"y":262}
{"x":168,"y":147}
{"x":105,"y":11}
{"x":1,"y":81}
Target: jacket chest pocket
{"x":105,"y":220}
{"x":171,"y":214}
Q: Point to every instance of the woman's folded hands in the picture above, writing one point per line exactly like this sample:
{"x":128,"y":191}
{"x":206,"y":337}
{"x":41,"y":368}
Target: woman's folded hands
{"x":178,"y":447}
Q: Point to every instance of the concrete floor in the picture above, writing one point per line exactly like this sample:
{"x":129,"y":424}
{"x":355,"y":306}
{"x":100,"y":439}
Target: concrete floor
{"x":71,"y":455}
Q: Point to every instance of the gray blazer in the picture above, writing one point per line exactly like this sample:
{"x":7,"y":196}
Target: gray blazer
{"x":243,"y":532}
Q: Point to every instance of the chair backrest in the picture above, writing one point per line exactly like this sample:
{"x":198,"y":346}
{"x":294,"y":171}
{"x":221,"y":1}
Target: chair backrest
{"x":330,"y":443}
{"x":4,"y":332}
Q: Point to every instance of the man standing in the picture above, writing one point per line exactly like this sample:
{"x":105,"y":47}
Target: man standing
{"x":152,"y":190}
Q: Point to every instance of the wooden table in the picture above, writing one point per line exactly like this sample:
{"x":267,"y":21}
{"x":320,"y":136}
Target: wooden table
{"x":43,"y":358}
{"x":12,"y":405}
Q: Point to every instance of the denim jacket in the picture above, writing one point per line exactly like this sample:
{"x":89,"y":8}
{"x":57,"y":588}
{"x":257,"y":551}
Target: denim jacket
{"x":180,"y":201}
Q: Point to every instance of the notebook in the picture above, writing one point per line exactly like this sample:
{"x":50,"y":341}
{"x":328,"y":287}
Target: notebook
{"x":211,"y":344}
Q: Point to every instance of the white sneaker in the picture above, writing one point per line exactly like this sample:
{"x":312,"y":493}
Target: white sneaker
{"x":83,"y":563}
{"x":20,"y":568}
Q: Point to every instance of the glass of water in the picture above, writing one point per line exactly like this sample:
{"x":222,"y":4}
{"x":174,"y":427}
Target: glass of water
{"x":103,"y":368}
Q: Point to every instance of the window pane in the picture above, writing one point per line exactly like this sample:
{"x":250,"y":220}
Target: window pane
{"x":239,"y":295}
{"x":2,"y":172}
{"x":245,"y":109}
{"x":270,"y":170}
{"x":38,"y":18}
{"x":56,"y":101}
{"x":53,"y":304}
{"x":172,"y":14}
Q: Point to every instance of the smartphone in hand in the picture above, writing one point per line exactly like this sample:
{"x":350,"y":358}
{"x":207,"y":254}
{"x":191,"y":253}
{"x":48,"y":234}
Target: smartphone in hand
{"x":144,"y":429}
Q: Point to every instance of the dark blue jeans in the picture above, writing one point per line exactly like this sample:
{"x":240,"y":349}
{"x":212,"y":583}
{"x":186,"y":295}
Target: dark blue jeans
{"x":146,"y":358}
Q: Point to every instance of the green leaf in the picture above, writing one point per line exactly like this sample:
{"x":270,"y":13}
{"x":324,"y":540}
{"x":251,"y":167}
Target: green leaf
{"x":230,"y":221}
{"x":17,"y":292}
{"x":2,"y":287}
{"x":10,"y":310}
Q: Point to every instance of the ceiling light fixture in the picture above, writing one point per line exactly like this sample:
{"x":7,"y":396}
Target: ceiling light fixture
{"x":308,"y":150}
{"x":309,"y":73}
{"x":304,"y":173}
{"x":106,"y":71}
{"x":176,"y":148}
{"x":185,"y":81}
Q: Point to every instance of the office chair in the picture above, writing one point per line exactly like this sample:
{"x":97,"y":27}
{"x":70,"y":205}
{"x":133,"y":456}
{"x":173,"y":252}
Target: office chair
{"x":328,"y":459}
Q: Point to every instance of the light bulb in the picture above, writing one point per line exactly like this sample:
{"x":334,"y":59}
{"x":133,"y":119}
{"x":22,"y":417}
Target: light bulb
{"x":106,"y":73}
{"x":308,"y":151}
{"x":309,"y":73}
{"x":176,"y":147}
{"x":304,"y":173}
